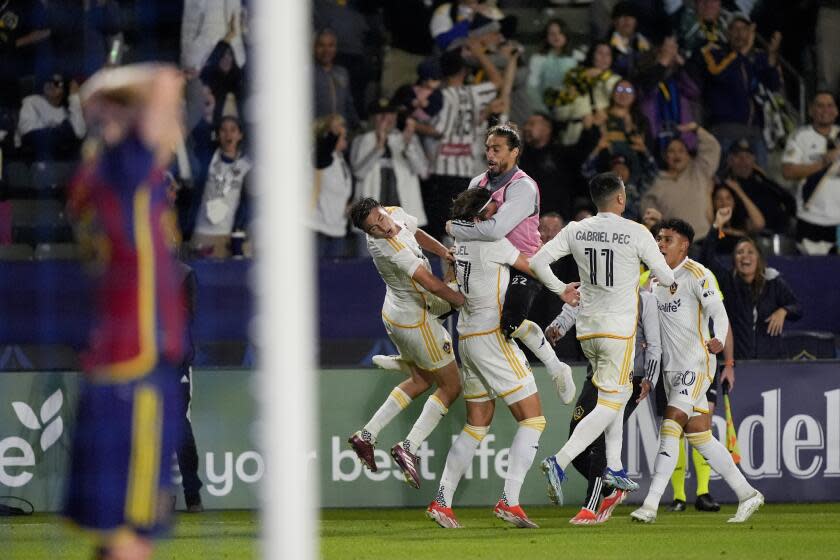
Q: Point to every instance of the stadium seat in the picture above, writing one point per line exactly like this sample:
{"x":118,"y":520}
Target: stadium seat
{"x":809,"y":345}
{"x":31,"y":212}
{"x":56,"y":251}
{"x":17,"y":175}
{"x":16,"y":252}
{"x":51,"y":175}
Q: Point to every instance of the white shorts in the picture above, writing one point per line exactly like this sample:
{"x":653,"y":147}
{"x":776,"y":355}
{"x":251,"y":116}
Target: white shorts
{"x":686,"y":390}
{"x":426,"y":344}
{"x":612,"y":362}
{"x":494,"y":367}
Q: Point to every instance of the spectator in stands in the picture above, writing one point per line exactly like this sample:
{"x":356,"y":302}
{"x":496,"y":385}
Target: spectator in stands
{"x":458,"y":129}
{"x":359,"y":42}
{"x":547,"y":165}
{"x":667,"y":93}
{"x":332,"y":189}
{"x":774,"y":202}
{"x":223,"y":201}
{"x":827,"y":31}
{"x":204,"y":24}
{"x":683,"y":189}
{"x":451,"y":21}
{"x":388,"y":163}
{"x":24,"y":45}
{"x":758,"y":300}
{"x":811,"y":157}
{"x":81,"y":34}
{"x":423,"y":99}
{"x":587,"y":89}
{"x":621,"y":129}
{"x":732,"y":77}
{"x":635,"y":184}
{"x":410,"y":41}
{"x":50,"y":126}
{"x":223,"y":75}
{"x":548,"y":68}
{"x":626,"y":42}
{"x":746,"y":219}
{"x":696,"y":28}
{"x":332,"y":83}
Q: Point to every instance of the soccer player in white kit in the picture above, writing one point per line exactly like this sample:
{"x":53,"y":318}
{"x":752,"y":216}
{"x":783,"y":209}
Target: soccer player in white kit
{"x":688,"y":365}
{"x":493,"y":366}
{"x":396,"y":245}
{"x":608,"y":250}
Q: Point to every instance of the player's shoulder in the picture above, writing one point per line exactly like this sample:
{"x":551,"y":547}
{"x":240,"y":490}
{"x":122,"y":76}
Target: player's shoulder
{"x":696,"y":269}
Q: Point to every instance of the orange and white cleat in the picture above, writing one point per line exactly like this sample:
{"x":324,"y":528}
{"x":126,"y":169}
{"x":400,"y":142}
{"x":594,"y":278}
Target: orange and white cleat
{"x":608,"y":504}
{"x":514,"y":515}
{"x":584,"y":517}
{"x":443,"y":516}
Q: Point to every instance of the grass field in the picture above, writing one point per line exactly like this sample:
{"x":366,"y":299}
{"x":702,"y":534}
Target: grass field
{"x":776,"y":532}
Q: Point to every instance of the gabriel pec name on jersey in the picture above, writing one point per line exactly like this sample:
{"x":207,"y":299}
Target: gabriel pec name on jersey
{"x":603,"y":237}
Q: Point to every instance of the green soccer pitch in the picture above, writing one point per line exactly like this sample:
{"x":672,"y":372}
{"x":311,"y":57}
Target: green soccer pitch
{"x":775,"y":532}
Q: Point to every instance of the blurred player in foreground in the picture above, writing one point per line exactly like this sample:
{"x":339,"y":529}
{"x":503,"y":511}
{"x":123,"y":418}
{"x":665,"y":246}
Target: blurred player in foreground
{"x":414,"y":297}
{"x":688,"y":363}
{"x":493,"y":365}
{"x":127,"y":422}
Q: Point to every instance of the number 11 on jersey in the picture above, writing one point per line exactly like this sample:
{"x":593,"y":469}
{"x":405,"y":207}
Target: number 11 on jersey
{"x":607,"y":254}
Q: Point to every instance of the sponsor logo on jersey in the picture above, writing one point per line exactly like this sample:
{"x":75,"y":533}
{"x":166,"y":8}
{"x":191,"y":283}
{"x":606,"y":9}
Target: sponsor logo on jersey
{"x":669,"y":306}
{"x":578,"y":413}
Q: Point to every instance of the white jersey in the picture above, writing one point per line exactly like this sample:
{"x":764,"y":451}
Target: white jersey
{"x":397,"y":259}
{"x":817,"y":202}
{"x":608,"y":250}
{"x":684,"y":318}
{"x":459,"y":126}
{"x":482,"y":271}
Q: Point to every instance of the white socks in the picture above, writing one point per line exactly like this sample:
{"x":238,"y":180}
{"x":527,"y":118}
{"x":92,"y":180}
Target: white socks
{"x":433,"y":412}
{"x":522,"y":452}
{"x":613,"y":435}
{"x":593,"y":425}
{"x":396,"y":402}
{"x":458,"y":461}
{"x":721,"y":461}
{"x":532,"y":337}
{"x":666,"y":460}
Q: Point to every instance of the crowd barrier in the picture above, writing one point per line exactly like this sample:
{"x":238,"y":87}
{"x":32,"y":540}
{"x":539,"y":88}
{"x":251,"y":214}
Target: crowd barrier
{"x":787,"y":416}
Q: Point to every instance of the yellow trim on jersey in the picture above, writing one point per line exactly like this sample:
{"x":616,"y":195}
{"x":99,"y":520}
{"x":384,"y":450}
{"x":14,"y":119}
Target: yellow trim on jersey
{"x":479,"y":396}
{"x":482,"y":333}
{"x":398,"y":325}
{"x":499,"y":291}
{"x":696,"y":391}
{"x":694,"y":269}
{"x":605,"y":335}
{"x":517,"y":368}
{"x":144,"y":462}
{"x":146,"y":358}
{"x":472,"y":433}
{"x":699,"y":438}
{"x":506,"y":393}
{"x":395,"y":244}
{"x":700,"y":410}
{"x":440,"y":402}
{"x":391,"y":209}
{"x":602,"y":390}
{"x":609,"y":404}
{"x":537,"y":423}
{"x":429,"y":340}
{"x":400,"y":398}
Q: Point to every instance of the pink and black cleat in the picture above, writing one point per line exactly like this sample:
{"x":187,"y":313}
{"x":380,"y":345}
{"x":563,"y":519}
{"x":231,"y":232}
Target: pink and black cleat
{"x":407,"y":462}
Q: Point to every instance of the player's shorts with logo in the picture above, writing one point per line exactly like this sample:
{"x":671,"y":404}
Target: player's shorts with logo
{"x":612,"y":362}
{"x":686,"y":390}
{"x":123,"y":441}
{"x":426,"y":343}
{"x":493,"y":366}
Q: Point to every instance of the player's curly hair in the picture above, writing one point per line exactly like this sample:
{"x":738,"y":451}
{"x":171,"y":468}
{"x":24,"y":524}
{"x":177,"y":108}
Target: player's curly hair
{"x":468,"y":204}
{"x":361,"y":209}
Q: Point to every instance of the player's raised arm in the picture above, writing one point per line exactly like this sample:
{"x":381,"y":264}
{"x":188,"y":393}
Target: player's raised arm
{"x":562,"y":324}
{"x":436,"y":286}
{"x":432,"y":245}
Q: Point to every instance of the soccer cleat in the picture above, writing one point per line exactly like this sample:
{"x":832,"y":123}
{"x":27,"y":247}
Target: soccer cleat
{"x":514,"y":515}
{"x":644,"y":515}
{"x":705,"y":502}
{"x":564,"y":383}
{"x":407,"y":462}
{"x":363,"y":449}
{"x":618,"y":479}
{"x":747,"y":508}
{"x":443,"y":516}
{"x":677,"y":505}
{"x":391,"y":363}
{"x":555,"y":477}
{"x":608,"y":504}
{"x":584,"y":517}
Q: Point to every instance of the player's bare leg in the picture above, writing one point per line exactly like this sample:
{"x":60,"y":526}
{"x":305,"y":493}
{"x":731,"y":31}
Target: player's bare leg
{"x":479,"y":416}
{"x":448,"y":382}
{"x":128,"y":545}
{"x":364,"y":440}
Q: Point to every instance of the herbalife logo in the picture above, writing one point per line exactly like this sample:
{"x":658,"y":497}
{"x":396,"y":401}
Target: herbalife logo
{"x":16,"y":452}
